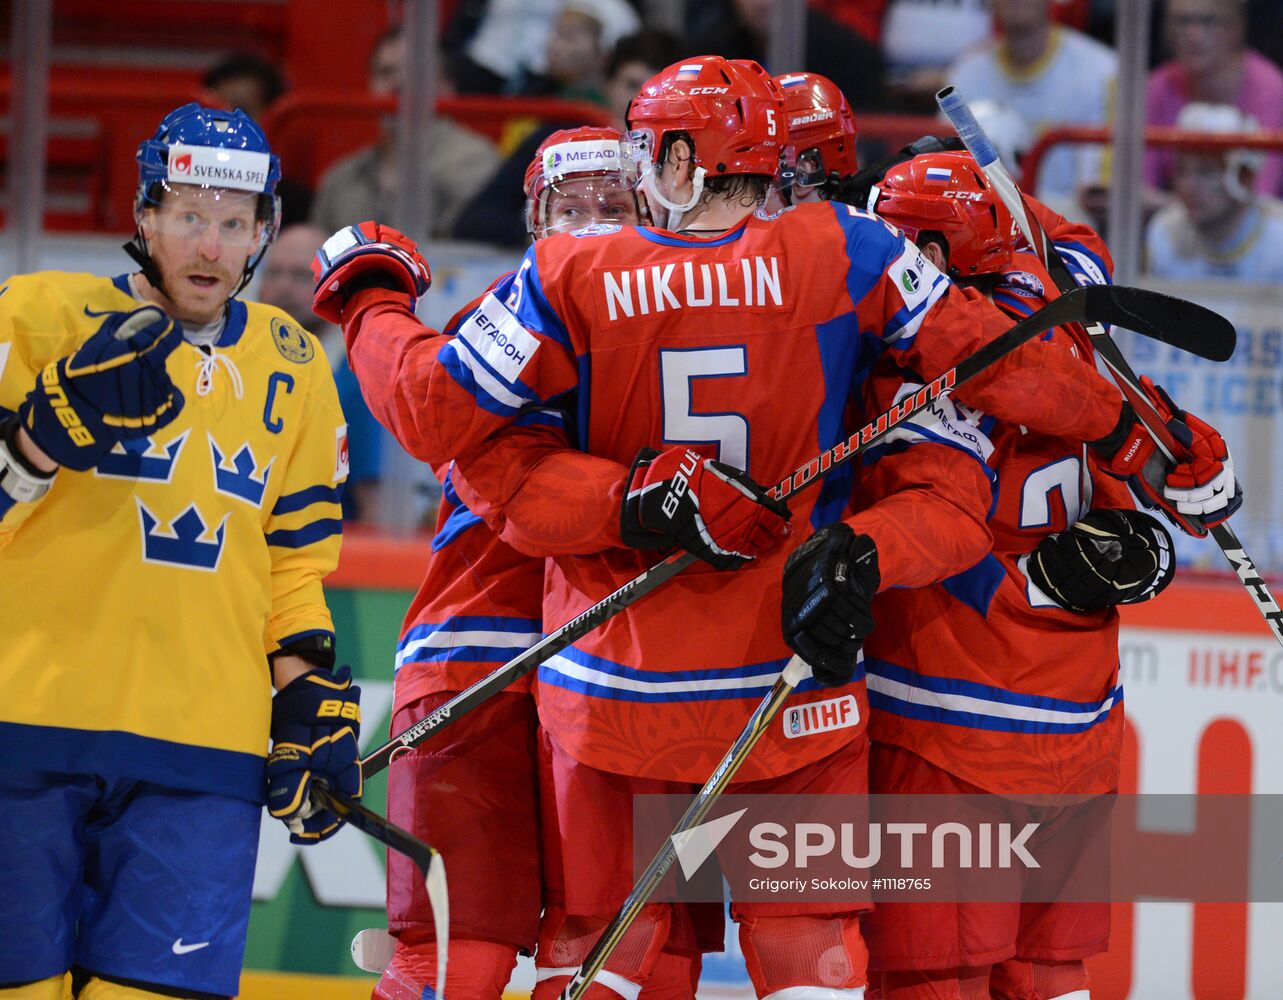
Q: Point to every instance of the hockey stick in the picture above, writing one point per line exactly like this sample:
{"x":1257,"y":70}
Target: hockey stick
{"x":795,"y":671}
{"x":1152,"y":314}
{"x":986,"y":157}
{"x":427,"y":858}
{"x":1112,"y":304}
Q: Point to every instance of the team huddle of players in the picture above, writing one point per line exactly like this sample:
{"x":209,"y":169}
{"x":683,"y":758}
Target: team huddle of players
{"x":709,"y":301}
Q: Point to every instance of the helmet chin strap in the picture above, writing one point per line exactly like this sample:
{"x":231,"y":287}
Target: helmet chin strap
{"x":138,"y":250}
{"x":650,"y":184}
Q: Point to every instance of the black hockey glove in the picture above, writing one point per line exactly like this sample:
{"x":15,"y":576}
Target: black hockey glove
{"x":1109,"y":557}
{"x":316,"y":729}
{"x":829,"y":582}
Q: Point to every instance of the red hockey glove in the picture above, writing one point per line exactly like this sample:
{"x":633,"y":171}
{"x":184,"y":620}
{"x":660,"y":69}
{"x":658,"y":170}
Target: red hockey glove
{"x":366,"y":256}
{"x":1195,"y":493}
{"x":826,"y":612}
{"x":679,"y":499}
{"x":316,"y":729}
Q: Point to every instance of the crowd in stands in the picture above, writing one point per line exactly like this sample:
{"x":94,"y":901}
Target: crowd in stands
{"x":1026,"y":65}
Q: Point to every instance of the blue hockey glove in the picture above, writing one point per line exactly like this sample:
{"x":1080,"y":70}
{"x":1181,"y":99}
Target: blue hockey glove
{"x":316,"y":729}
{"x":368,"y":255}
{"x":115,"y":386}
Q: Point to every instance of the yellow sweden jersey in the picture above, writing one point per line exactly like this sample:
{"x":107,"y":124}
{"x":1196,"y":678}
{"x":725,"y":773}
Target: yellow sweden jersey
{"x":138,"y":600}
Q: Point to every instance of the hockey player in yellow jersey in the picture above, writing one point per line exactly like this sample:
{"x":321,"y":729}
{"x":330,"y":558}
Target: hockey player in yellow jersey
{"x":170,"y":466}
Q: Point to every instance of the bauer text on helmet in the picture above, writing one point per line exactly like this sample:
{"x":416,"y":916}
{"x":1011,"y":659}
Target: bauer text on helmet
{"x":822,"y":136}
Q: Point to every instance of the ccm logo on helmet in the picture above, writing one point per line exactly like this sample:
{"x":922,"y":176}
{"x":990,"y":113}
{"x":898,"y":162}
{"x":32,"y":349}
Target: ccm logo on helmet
{"x":964,"y":195}
{"x":709,"y":90}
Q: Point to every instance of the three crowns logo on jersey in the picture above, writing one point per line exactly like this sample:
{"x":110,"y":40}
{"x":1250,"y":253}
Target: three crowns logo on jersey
{"x":189,"y":540}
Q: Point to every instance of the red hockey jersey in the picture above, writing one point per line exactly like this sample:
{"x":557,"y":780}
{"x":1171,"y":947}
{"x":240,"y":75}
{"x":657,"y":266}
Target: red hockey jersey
{"x":982,"y":674}
{"x":481,"y":601}
{"x":759,"y":364}
{"x":520,"y":347}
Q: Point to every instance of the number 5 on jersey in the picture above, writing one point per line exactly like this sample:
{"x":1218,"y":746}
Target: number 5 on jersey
{"x":678,"y":370}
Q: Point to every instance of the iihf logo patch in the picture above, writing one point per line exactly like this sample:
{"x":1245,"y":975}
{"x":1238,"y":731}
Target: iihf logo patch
{"x":1024,"y":283}
{"x":822,"y":716}
{"x":910,"y":281}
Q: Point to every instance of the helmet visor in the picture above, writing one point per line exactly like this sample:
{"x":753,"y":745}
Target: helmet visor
{"x":572,"y":204}
{"x":190,"y":212}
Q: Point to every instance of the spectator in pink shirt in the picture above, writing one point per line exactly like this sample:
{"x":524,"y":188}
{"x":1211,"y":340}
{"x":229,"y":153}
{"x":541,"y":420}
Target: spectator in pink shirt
{"x":1212,"y":64}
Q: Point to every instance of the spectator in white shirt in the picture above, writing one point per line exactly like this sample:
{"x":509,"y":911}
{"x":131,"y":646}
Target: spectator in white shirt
{"x":1051,"y":75}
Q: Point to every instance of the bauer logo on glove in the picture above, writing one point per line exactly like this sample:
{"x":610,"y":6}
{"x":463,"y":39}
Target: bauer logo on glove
{"x":679,"y":499}
{"x":114,"y":386}
{"x":316,"y":729}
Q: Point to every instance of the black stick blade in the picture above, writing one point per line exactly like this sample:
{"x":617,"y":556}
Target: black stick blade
{"x":1186,"y":325}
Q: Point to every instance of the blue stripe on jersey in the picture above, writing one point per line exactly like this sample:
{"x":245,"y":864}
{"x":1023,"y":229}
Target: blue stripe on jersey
{"x":460,"y":518}
{"x":473,"y":638}
{"x":667,"y":239}
{"x":583,"y":400}
{"x":534,"y":311}
{"x":907,"y":317}
{"x":480,"y":378}
{"x":234,"y":324}
{"x":870,"y":249}
{"x":912,"y":695}
{"x":297,"y":538}
{"x":121,"y":281}
{"x":575,"y":670}
{"x":291,"y":502}
{"x":976,"y":586}
{"x":6,"y":503}
{"x":1068,"y":249}
{"x":845,"y":357}
{"x":1013,"y":304}
{"x":116,"y":754}
{"x":541,"y":417}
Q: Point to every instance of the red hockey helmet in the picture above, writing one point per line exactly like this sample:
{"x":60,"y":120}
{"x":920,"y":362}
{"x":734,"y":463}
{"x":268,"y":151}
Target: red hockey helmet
{"x":948,"y":194}
{"x":732,"y":109}
{"x":593,"y":158}
{"x":822,"y":129}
